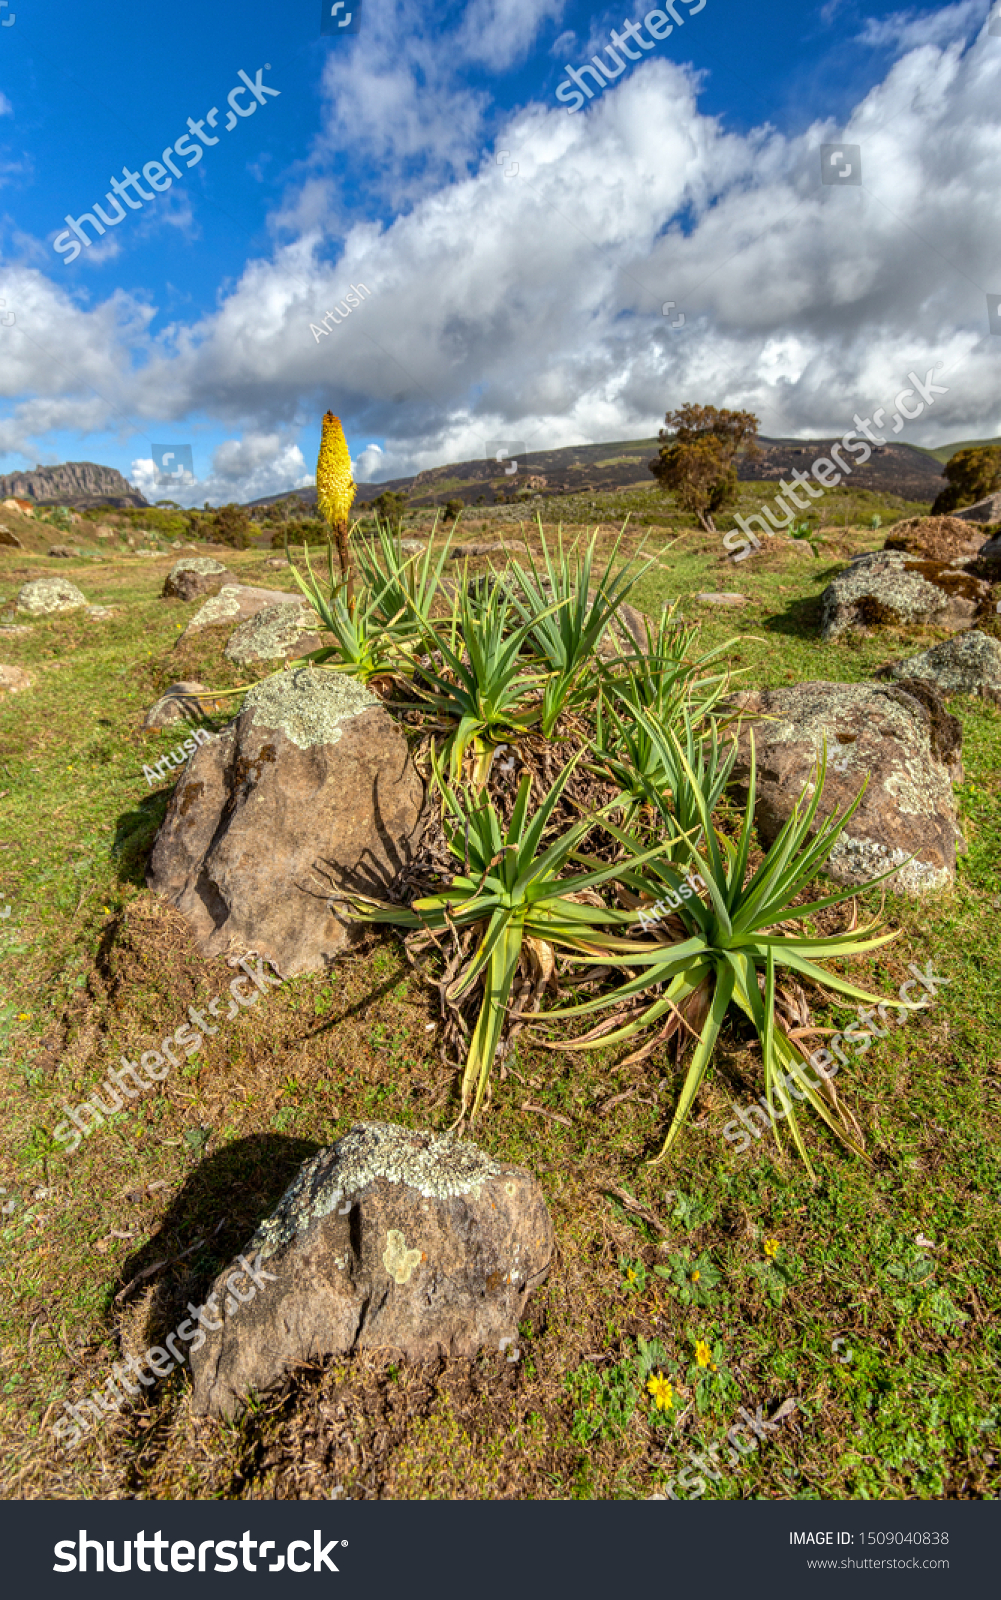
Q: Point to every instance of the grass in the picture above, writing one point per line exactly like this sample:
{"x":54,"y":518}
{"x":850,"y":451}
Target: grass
{"x":94,"y":967}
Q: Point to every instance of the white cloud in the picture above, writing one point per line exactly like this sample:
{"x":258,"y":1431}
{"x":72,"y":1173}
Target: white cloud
{"x":529,"y":307}
{"x":6,"y":109}
{"x":906,"y":30}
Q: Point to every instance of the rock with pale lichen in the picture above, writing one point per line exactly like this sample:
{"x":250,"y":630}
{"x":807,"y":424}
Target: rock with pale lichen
{"x":391,"y":1239}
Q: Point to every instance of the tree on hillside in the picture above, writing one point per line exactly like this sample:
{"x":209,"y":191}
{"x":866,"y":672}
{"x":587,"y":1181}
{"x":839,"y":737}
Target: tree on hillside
{"x":389,"y":507}
{"x":972,"y":475}
{"x":696,"y":458}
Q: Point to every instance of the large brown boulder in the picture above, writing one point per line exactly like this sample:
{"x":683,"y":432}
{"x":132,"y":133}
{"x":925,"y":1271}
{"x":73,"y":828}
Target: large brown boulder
{"x":309,"y":790}
{"x":903,"y":741}
{"x":194,"y":577}
{"x":390,"y":1240}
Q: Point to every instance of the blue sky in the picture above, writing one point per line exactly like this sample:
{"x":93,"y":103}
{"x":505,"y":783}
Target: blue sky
{"x":509,"y":296}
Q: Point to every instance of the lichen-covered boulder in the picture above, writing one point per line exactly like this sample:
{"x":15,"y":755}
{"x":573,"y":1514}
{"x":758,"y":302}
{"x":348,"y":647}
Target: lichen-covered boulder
{"x":67,"y":552}
{"x":969,"y":664}
{"x":235,"y":603}
{"x":891,"y":588}
{"x":276,"y":632}
{"x":390,"y":1239}
{"x":905,"y":744}
{"x":44,"y":596}
{"x":501,"y":547}
{"x":311,"y":789}
{"x":195,"y":576}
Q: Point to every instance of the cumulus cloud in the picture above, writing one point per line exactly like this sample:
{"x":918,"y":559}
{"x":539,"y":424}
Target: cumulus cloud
{"x":529,"y":306}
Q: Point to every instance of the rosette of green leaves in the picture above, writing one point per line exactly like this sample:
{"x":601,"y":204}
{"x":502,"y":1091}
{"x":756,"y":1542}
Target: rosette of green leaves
{"x":366,"y":642}
{"x":511,"y":890}
{"x":484,"y":695}
{"x":734,"y":933}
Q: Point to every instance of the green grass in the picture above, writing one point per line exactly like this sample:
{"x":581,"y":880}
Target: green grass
{"x":92,"y":965}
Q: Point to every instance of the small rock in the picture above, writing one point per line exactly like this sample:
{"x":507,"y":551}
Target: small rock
{"x":310,"y":789}
{"x":194,"y":577}
{"x":43,"y":596}
{"x":276,"y":561}
{"x":182,"y":702}
{"x":412,"y":547}
{"x":67,"y":551}
{"x":99,"y":613}
{"x":390,"y":1239}
{"x":893,"y":737}
{"x":969,"y":664}
{"x":460,"y":552}
{"x":235,"y":602}
{"x":722,"y":599}
{"x":13,"y":679}
{"x":988,"y":510}
{"x":10,"y":539}
{"x":277,"y":631}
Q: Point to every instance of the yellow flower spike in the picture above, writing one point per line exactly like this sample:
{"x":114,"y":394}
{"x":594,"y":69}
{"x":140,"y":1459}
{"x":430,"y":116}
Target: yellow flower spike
{"x":335,"y":487}
{"x":660,"y":1388}
{"x":702,"y":1353}
{"x":335,"y":490}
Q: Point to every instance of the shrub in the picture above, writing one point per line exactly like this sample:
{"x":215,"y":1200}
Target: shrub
{"x":231,"y":525}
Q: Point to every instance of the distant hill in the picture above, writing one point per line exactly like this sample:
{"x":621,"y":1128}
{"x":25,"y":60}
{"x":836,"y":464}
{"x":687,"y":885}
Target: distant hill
{"x":945,"y":452}
{"x":80,"y":484}
{"x":900,"y":469}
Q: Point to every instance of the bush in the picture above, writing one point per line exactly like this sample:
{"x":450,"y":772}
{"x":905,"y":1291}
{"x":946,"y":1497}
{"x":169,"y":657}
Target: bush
{"x":231,"y":525}
{"x":303,"y":530}
{"x":453,"y":509}
{"x":390,"y":507}
{"x":972,"y":475}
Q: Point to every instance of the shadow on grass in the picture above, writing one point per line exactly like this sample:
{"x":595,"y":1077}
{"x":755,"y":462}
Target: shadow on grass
{"x":134,"y":835}
{"x":800,"y":619}
{"x":211,"y":1219}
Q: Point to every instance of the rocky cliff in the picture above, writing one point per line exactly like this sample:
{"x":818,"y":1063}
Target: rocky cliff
{"x":76,"y":483}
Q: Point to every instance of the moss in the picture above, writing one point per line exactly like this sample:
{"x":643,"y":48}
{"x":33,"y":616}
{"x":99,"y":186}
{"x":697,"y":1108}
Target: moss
{"x":308,"y":707}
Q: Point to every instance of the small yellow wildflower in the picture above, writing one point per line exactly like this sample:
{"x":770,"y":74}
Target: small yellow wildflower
{"x":630,"y":1275}
{"x":23,"y":1016}
{"x":660,"y":1388}
{"x":696,"y":1275}
{"x":702,"y":1353}
{"x":771,"y":1248}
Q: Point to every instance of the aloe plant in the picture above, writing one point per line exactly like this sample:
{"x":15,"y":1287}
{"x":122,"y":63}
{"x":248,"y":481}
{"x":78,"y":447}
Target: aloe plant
{"x":366,"y":641}
{"x":486,"y":697}
{"x":731,"y":936}
{"x":510,"y":890}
